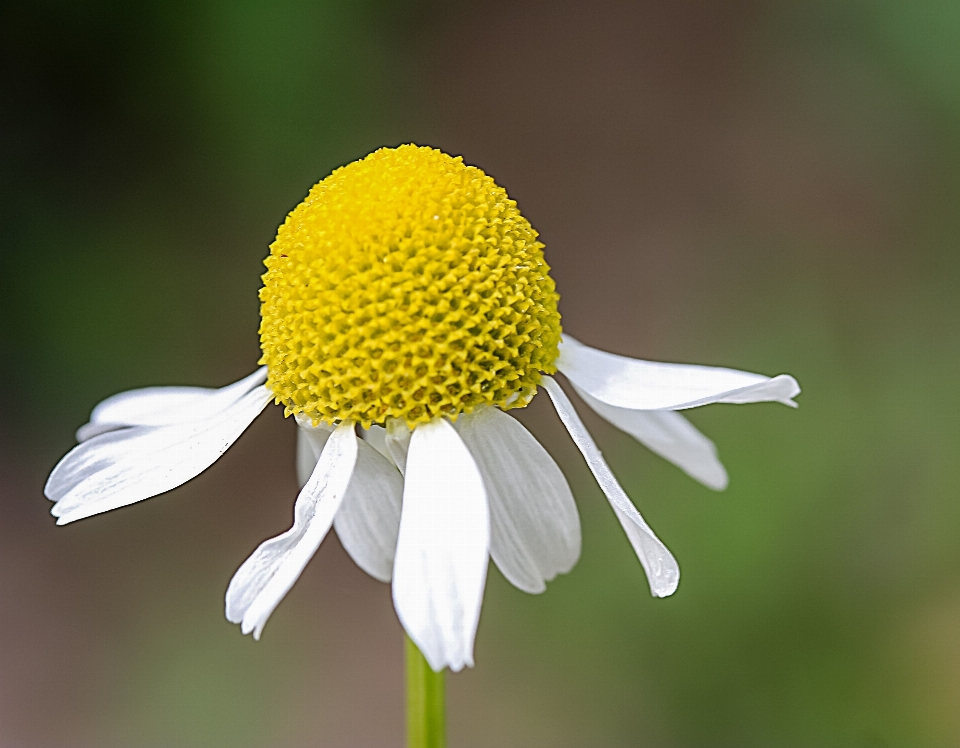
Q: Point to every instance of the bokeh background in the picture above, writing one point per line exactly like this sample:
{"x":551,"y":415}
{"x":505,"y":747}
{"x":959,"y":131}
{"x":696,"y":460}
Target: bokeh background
{"x":773,"y":186}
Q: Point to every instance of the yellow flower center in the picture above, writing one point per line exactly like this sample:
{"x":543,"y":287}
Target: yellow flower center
{"x":406,"y":285}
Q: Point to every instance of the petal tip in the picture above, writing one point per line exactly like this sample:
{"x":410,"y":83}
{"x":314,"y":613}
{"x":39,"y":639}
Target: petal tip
{"x":455,"y":665}
{"x":66,"y":516}
{"x":437,"y":664}
{"x":538,"y":589}
{"x":791,"y":388}
{"x":231,"y":613}
{"x":665,"y":588}
{"x":718,"y":481}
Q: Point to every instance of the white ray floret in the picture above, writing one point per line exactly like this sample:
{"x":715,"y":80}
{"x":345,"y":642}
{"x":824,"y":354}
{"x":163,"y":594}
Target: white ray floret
{"x":534,"y":525}
{"x":671,"y":436}
{"x":663,"y":572}
{"x":369,"y":518}
{"x":262,"y":581}
{"x":163,"y":406}
{"x":124,"y":466}
{"x":441,"y":562}
{"x":648,"y":385}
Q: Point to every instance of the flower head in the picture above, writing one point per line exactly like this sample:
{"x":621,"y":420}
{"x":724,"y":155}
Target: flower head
{"x":406,"y":306}
{"x":407,"y":285}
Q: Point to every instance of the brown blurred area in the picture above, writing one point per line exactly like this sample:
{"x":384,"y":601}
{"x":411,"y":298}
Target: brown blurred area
{"x":766,"y":186}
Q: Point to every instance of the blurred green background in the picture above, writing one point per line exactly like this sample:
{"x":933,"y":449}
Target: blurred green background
{"x":772,"y":186}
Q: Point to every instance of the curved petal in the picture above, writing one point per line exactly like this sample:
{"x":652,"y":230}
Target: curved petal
{"x":310,"y":441}
{"x":534,"y":525}
{"x":176,"y":398}
{"x":162,"y":406}
{"x":661,"y":567}
{"x":122,"y":467}
{"x":649,"y":385}
{"x":369,"y":518}
{"x":263,"y":579}
{"x":671,"y":436}
{"x":441,"y":562}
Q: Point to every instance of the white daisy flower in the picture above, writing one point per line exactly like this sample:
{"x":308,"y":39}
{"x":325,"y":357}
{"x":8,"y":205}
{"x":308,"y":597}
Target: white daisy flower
{"x":406,"y":308}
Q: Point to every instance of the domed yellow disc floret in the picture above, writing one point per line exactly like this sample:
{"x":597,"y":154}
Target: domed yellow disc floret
{"x":407,"y":285}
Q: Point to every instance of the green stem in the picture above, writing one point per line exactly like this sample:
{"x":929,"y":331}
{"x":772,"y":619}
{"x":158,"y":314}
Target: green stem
{"x":426,"y":723}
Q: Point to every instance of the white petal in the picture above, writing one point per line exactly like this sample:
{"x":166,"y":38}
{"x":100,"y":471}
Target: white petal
{"x":369,"y":518}
{"x":397,"y":442}
{"x":648,"y":385}
{"x":261,"y":582}
{"x":122,"y":467}
{"x":534,"y":525}
{"x":661,"y":567}
{"x":671,"y":436}
{"x":173,"y":397}
{"x":162,"y":406}
{"x":310,"y":441}
{"x":442,"y":551}
{"x":376,"y":437}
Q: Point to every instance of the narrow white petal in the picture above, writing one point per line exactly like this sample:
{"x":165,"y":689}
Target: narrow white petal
{"x":649,"y":385}
{"x":162,"y":406}
{"x":534,"y":525}
{"x":671,"y":436}
{"x":397,"y":442}
{"x":441,"y":562}
{"x":122,"y":467}
{"x":310,"y":441}
{"x":369,"y":518}
{"x":661,"y":567}
{"x":262,"y":581}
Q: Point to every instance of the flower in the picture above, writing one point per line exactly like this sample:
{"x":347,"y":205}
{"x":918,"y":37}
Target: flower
{"x":406,"y":308}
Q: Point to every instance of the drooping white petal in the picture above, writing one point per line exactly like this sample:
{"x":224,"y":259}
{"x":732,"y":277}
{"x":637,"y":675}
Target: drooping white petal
{"x":310,"y":441}
{"x":397,"y":442}
{"x":671,"y":436}
{"x":369,"y":518}
{"x":534,"y":525}
{"x":122,"y":467}
{"x":263,"y":579}
{"x":661,"y":567}
{"x":441,"y":561}
{"x":174,"y":398}
{"x":648,"y":385}
{"x":162,"y":406}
